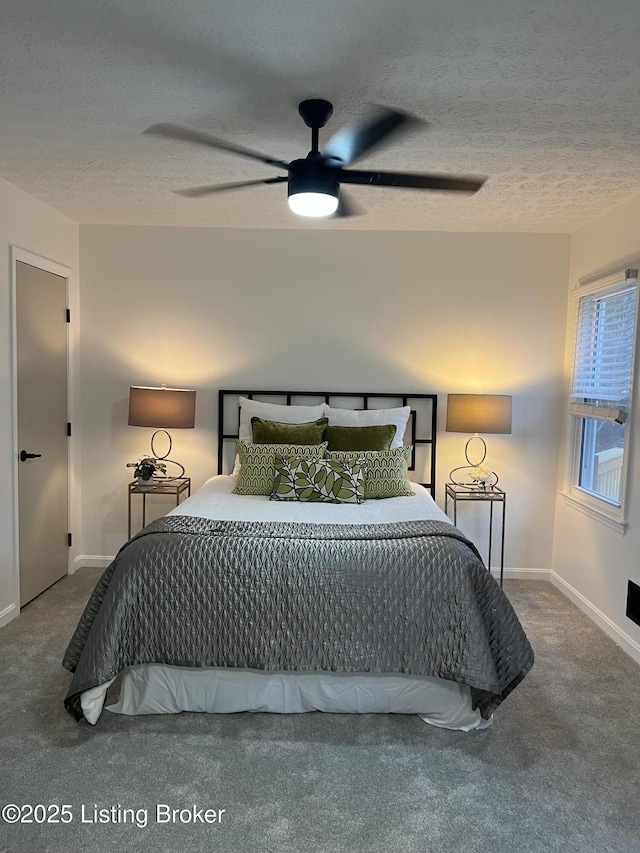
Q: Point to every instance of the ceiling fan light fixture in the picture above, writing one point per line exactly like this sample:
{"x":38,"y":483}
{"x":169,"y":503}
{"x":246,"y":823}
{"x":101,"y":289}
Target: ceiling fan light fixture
{"x":313,"y":188}
{"x":313,"y":204}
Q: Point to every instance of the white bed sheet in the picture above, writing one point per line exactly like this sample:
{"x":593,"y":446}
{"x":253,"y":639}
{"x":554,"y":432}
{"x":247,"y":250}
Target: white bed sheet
{"x":216,"y":500}
{"x":158,"y":688}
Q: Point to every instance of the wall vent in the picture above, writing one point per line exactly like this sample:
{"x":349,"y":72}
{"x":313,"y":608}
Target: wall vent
{"x":633,"y":602}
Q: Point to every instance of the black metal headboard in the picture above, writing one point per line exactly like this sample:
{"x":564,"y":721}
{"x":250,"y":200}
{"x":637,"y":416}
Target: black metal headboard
{"x":420,"y":433}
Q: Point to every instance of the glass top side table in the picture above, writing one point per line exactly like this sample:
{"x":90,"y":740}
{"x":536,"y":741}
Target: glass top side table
{"x":458,"y":494}
{"x":178,"y":487}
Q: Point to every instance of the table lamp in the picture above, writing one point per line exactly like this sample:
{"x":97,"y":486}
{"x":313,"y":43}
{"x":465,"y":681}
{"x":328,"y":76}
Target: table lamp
{"x":166,"y":408}
{"x":477,"y":413}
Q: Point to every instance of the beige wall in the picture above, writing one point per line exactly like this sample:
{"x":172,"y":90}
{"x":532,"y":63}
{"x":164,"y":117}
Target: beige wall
{"x":28,"y":224}
{"x":421,"y":312}
{"x":593,"y":562}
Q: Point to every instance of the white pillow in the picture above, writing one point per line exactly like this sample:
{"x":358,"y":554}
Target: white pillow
{"x":370,"y":417}
{"x":275,"y":412}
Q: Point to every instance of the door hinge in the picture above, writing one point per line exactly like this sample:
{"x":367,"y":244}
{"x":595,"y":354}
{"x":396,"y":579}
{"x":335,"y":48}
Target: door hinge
{"x":68,"y":315}
{"x":68,"y":428}
{"x":69,"y":540}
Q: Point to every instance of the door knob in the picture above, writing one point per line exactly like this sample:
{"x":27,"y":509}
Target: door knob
{"x":24,"y":455}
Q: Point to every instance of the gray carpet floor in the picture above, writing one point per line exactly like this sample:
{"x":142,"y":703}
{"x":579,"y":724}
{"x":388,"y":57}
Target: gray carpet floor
{"x":559,"y":769}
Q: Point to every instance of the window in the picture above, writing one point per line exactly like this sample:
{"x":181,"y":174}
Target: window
{"x":601,"y":389}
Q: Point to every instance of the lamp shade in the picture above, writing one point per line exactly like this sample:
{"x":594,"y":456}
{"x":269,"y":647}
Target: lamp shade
{"x":486,"y":413}
{"x":166,"y":408}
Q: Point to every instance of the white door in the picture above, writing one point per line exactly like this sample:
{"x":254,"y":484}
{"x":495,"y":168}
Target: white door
{"x":41,"y":349}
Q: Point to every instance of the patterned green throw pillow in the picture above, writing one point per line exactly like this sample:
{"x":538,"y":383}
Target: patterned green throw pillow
{"x":386,"y":475}
{"x":257,"y":463}
{"x":327,"y":482}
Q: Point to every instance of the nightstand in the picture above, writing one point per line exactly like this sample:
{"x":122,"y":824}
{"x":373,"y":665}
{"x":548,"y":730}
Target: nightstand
{"x":178,"y":487}
{"x":458,"y":494}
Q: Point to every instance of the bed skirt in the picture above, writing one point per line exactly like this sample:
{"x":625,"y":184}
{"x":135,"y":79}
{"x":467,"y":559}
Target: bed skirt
{"x":164,"y":689}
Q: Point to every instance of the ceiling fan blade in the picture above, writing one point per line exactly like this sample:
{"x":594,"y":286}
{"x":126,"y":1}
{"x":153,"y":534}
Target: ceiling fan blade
{"x":196,"y":192}
{"x":410,"y":180}
{"x":355,"y":140}
{"x":198,"y":137}
{"x":346,"y":206}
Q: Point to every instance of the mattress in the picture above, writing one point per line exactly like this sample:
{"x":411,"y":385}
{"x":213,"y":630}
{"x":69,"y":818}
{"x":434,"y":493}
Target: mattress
{"x":215,"y":500}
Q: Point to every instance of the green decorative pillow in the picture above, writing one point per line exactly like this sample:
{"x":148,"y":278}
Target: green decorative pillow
{"x":333,"y":482}
{"x":256,"y":464}
{"x":386,"y":475}
{"x":274,"y":432}
{"x":360,"y":437}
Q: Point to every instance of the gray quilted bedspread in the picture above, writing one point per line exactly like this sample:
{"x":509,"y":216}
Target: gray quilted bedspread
{"x":410,"y":597}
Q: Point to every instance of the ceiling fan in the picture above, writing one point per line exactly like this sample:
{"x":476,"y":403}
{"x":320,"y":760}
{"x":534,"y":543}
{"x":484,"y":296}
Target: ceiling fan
{"x":314,"y":182}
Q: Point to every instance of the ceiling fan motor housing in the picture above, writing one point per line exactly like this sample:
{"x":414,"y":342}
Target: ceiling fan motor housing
{"x":313,"y":175}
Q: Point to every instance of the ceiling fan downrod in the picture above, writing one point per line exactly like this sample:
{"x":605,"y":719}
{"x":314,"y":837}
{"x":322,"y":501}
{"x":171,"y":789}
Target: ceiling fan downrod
{"x":315,"y":113}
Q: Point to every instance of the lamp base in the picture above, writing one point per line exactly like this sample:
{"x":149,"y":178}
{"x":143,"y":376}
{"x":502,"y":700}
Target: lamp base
{"x":484,"y":450}
{"x":165,"y":458}
{"x":470,"y":483}
{"x":471,"y":466}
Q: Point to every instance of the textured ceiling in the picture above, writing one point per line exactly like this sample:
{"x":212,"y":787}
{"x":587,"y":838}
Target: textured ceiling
{"x":542,"y":96}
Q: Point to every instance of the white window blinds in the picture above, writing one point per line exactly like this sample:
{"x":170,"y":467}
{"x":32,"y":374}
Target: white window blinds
{"x":604,"y":349}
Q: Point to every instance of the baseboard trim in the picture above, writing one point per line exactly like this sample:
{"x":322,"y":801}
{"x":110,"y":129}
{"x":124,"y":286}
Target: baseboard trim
{"x":8,"y":614}
{"x":92,"y":561}
{"x":522,"y":574}
{"x":626,"y":643}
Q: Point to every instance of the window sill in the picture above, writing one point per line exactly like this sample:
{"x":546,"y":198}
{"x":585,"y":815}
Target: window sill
{"x":595,"y":512}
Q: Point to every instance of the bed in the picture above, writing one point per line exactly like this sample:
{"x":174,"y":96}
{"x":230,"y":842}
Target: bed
{"x":235,"y":602}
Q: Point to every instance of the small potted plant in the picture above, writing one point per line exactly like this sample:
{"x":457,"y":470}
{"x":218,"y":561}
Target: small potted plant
{"x":145,"y":470}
